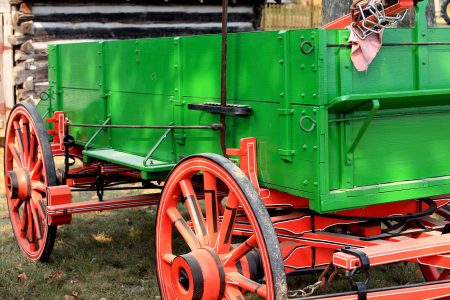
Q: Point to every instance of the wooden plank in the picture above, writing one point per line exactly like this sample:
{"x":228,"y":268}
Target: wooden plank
{"x":20,"y":73}
{"x":19,"y":17}
{"x":7,"y":65}
{"x":15,"y":2}
{"x":35,"y":54}
{"x":17,"y":39}
{"x":2,"y":99}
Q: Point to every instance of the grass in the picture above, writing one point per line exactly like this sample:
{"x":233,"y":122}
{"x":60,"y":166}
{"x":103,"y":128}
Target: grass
{"x":110,"y":255}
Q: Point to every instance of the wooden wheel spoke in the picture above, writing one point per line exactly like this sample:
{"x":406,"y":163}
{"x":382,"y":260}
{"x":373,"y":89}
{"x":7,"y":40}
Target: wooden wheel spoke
{"x":37,"y":199}
{"x":17,"y":203}
{"x":32,"y":153}
{"x":24,"y":222}
{"x":26,"y":139}
{"x":247,"y":284}
{"x":233,"y":293}
{"x":226,"y":228}
{"x":37,"y":223}
{"x":38,"y":186}
{"x":36,"y":171}
{"x":183,"y":228}
{"x":19,"y":138}
{"x":194,"y":211}
{"x":168,"y":258}
{"x":15,"y":154}
{"x":30,"y":230}
{"x":237,"y":253}
{"x":211,"y":207}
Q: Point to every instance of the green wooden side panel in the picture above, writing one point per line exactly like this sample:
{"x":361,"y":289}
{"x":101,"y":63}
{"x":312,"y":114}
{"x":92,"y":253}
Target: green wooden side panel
{"x":254,"y":71}
{"x":397,"y":149}
{"x":308,"y":109}
{"x":141,"y":66}
{"x":76,"y":103}
{"x":81,"y":71}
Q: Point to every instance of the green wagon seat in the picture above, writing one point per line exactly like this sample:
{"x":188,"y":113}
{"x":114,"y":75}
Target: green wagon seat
{"x":128,"y":160}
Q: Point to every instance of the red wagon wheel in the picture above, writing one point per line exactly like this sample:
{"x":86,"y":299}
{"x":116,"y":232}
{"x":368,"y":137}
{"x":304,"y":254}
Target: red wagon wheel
{"x":214,"y":265}
{"x":29,"y":169}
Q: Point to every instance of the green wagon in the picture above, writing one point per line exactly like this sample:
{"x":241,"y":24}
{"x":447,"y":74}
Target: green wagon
{"x":300,"y":168}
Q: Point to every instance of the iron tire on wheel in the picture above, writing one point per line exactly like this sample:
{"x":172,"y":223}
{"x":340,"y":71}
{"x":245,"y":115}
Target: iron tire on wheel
{"x":446,"y":11}
{"x":215,"y":267}
{"x":29,"y":169}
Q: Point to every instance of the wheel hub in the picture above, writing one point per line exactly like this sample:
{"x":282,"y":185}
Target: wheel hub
{"x":198,"y":275}
{"x":18,"y":184}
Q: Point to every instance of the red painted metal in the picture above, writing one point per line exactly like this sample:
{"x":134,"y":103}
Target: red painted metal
{"x":305,"y":244}
{"x":66,"y":209}
{"x":58,"y":132}
{"x":59,"y":196}
{"x":111,"y":172}
{"x":396,"y":252}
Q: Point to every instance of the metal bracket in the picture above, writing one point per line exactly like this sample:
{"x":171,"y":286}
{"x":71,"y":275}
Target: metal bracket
{"x":363,"y":258}
{"x":216,"y":108}
{"x":374,"y":110}
{"x":96,"y":133}
{"x":155,"y":147}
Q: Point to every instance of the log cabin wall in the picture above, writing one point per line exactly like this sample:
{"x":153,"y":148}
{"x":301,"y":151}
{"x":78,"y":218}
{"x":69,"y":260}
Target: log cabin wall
{"x":6,"y":62}
{"x":38,"y":23}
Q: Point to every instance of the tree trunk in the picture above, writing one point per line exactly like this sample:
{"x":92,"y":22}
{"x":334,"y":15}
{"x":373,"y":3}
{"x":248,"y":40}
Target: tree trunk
{"x":411,"y":16}
{"x":332,"y":9}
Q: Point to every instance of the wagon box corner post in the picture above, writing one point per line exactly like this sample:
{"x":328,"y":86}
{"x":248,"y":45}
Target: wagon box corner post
{"x":267,"y":153}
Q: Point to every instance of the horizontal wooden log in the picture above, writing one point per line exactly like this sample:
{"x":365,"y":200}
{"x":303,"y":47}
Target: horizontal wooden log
{"x":35,"y":92}
{"x":17,"y":40}
{"x":27,"y":47}
{"x":19,"y":17}
{"x":27,"y":28}
{"x":142,"y":17}
{"x":28,"y":84}
{"x":36,"y":55}
{"x":15,"y":2}
{"x":32,"y":64}
{"x":140,"y":14}
{"x":44,"y":31}
{"x":154,"y":2}
{"x":20,"y":74}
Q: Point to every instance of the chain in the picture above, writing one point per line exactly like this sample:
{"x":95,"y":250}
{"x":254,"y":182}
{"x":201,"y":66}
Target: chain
{"x":307,"y":291}
{"x":310,"y":289}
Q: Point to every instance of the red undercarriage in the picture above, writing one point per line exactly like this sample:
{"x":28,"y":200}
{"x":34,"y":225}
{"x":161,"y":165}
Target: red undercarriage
{"x":307,"y":240}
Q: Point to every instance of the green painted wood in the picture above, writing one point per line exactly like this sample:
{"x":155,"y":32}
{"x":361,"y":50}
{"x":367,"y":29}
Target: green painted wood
{"x":129,"y":160}
{"x":307,"y":109}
